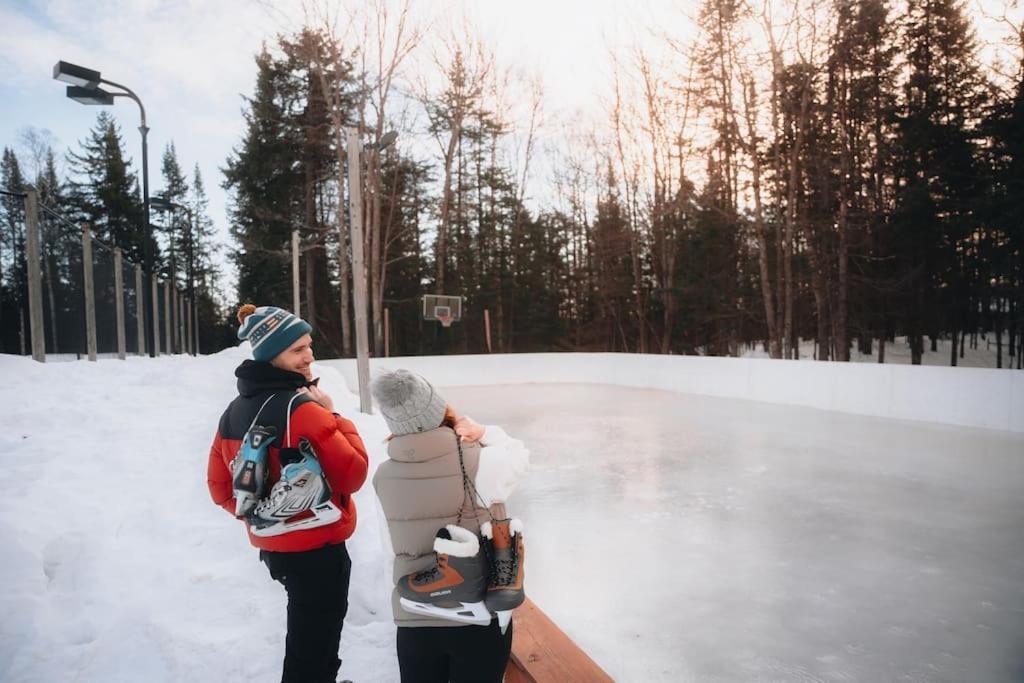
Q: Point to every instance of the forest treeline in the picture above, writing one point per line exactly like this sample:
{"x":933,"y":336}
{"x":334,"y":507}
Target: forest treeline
{"x":844,"y":171}
{"x":95,"y":185}
{"x":848,"y":172}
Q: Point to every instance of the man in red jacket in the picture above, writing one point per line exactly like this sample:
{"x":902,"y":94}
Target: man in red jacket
{"x":312,"y":563}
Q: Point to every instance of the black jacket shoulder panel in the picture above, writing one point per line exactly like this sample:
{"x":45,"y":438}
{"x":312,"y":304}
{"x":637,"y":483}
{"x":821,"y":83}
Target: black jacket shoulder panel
{"x":242,"y":411}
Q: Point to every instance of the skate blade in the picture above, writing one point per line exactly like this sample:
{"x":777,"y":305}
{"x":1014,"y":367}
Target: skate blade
{"x":469,"y":613}
{"x":319,"y":515}
{"x":504,"y":619}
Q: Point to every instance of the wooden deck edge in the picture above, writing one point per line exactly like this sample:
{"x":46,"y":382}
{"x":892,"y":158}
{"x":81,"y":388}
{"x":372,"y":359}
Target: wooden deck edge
{"x":543,"y":653}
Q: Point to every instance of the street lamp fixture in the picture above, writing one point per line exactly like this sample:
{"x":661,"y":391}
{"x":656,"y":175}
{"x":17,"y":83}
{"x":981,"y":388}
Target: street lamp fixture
{"x":84,"y":89}
{"x":87,"y":95}
{"x":385,"y":141}
{"x":76,"y":75}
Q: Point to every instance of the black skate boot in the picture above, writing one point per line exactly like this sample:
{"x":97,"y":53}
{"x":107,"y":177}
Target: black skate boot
{"x":453,"y":588}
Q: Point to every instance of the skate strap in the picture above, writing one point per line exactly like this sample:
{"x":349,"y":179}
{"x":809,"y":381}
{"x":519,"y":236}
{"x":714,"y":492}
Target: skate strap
{"x":288,"y":417}
{"x":288,"y":421}
{"x":253,"y":423}
{"x":469,"y":492}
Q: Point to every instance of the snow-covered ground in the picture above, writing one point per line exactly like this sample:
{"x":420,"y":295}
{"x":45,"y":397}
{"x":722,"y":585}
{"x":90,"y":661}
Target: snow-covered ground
{"x":675,"y":537}
{"x":115,"y":564}
{"x":898,"y":352}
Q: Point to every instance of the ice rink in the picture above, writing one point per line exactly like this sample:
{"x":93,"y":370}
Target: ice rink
{"x":679,"y":537}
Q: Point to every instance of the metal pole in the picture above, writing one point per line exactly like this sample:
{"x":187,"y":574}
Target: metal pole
{"x":90,"y":293}
{"x":140,"y":312}
{"x":192,"y":322}
{"x":35,"y":289}
{"x":295,"y":273}
{"x":355,"y":207}
{"x":119,"y":300}
{"x":147,"y":229}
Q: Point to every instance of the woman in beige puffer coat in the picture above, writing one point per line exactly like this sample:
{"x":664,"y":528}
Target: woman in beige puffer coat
{"x":420,"y":488}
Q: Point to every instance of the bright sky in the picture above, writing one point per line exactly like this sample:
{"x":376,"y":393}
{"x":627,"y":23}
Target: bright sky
{"x":191,"y":60}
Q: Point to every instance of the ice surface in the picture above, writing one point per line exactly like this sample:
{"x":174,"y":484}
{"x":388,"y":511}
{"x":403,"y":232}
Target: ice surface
{"x":679,"y":537}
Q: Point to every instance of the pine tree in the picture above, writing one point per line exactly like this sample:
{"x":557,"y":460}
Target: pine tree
{"x":104,"y":191}
{"x":174,"y":228}
{"x":938,"y":176}
{"x":265,"y":176}
{"x":14,"y":291}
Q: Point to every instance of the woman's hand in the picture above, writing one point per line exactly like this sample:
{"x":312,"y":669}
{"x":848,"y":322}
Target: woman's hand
{"x":468,"y":429}
{"x":319,"y":396}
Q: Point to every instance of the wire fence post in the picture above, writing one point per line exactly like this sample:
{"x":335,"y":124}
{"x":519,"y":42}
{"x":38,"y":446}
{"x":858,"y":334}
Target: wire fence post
{"x":156,"y":316}
{"x":35,"y":290}
{"x":119,"y":300}
{"x":167,"y":316}
{"x":188,"y":332}
{"x":89,"y":291}
{"x":140,"y":311}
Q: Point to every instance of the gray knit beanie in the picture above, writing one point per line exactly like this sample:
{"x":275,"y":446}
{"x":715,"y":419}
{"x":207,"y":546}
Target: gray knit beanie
{"x":408,"y":402}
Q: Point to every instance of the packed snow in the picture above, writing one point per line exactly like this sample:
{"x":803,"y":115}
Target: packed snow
{"x":116,"y":565}
{"x":984,"y":354}
{"x":674,"y":537}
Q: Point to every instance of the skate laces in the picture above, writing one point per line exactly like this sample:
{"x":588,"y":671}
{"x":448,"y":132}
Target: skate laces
{"x":427,"y":575}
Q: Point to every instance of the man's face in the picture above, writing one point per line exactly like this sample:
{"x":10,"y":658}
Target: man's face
{"x":297,"y":358}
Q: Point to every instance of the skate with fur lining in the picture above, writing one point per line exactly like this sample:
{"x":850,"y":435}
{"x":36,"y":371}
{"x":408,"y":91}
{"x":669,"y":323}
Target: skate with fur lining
{"x":453,"y":586}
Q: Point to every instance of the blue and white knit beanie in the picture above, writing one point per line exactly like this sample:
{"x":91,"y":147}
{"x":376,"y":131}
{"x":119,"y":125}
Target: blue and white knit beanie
{"x":269,"y":329}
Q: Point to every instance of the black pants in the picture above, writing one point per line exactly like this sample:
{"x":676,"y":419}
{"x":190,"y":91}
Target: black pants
{"x":317,"y":586}
{"x":459,"y":654}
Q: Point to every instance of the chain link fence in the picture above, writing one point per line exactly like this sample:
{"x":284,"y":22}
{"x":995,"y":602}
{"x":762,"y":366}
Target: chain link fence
{"x":81,"y":296}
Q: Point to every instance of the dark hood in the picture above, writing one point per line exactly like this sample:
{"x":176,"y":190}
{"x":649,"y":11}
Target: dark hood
{"x":257,"y":377}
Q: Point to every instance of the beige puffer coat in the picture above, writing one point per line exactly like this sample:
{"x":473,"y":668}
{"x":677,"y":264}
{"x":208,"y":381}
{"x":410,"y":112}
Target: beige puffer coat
{"x":420,"y":489}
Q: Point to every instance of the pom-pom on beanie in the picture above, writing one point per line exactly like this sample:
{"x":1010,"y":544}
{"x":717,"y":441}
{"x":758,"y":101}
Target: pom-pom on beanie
{"x":270,"y":330}
{"x":408,"y":402}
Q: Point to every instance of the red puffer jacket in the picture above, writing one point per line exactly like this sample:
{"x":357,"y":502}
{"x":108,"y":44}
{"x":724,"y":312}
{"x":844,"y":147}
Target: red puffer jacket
{"x":338,"y":447}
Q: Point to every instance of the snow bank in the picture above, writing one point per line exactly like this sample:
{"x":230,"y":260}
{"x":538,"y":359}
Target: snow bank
{"x":116,"y":565}
{"x":969,"y":397}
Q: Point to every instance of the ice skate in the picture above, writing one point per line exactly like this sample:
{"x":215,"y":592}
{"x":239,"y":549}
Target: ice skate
{"x":453,"y":588}
{"x":300,"y":499}
{"x":249,"y":468}
{"x":503,"y":539}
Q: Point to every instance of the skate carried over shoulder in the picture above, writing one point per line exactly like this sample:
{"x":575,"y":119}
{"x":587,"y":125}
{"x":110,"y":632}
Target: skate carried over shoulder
{"x":299,"y":499}
{"x":474,"y":577}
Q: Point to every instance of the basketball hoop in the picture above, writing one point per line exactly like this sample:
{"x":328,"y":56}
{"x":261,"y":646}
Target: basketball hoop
{"x":444,"y":309}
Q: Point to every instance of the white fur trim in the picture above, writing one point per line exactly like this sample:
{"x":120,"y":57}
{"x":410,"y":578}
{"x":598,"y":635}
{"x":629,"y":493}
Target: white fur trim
{"x":463,"y":543}
{"x":500,"y":468}
{"x":515,"y":526}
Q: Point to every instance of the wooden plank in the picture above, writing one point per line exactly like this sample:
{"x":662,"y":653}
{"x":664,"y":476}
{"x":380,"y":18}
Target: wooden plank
{"x":89,"y":291}
{"x":140,"y":312}
{"x":119,"y":300}
{"x":543,"y":653}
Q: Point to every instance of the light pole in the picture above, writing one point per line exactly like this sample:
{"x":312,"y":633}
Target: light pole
{"x":162,"y":203}
{"x":355,"y":207}
{"x":84,"y":89}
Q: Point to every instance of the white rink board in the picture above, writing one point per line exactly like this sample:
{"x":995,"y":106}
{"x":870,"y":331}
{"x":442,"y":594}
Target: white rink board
{"x":968,"y":397}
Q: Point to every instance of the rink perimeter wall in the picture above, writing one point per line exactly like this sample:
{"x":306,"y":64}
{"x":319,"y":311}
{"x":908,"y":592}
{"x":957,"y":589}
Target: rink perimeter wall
{"x":968,"y":397}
